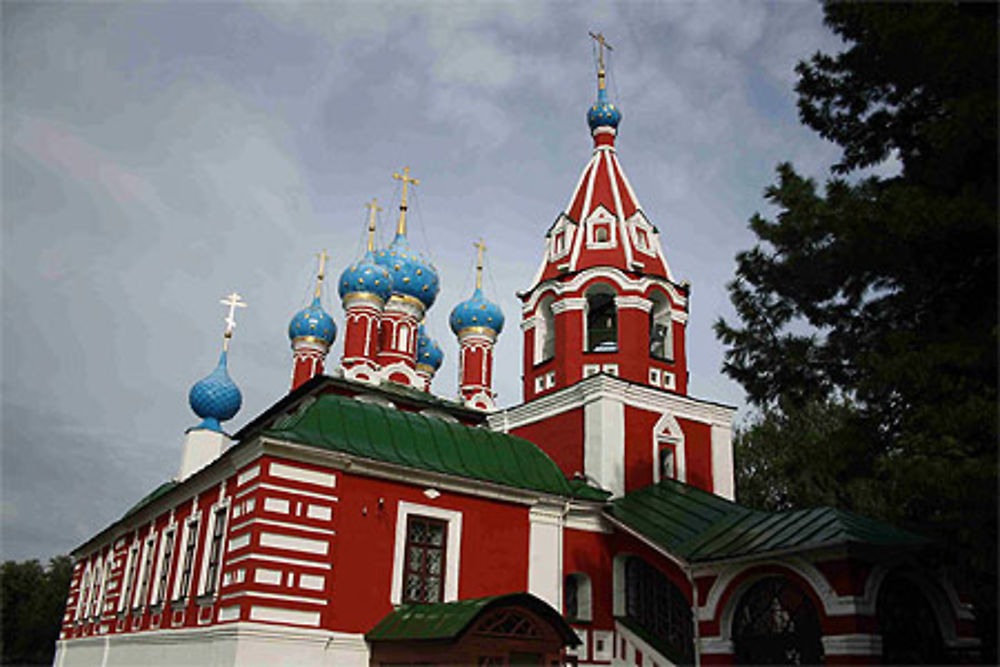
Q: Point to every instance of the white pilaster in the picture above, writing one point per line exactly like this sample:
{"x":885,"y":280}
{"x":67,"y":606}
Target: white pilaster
{"x":723,"y":483}
{"x":545,"y":553}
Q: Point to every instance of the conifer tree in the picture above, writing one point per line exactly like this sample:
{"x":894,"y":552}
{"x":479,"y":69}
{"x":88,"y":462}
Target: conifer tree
{"x":867,"y":333}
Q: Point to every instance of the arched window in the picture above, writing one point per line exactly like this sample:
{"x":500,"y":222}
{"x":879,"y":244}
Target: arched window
{"x":545,"y":331}
{"x":577,"y":597}
{"x":661,"y":340}
{"x":776,"y":624}
{"x":908,"y":626}
{"x":602,"y":320}
{"x":660,"y":610}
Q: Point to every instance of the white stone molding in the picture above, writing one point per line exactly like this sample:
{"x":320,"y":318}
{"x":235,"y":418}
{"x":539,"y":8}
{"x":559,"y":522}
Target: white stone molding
{"x":833,"y":604}
{"x":625,"y":283}
{"x":568,"y":304}
{"x":635,"y":395}
{"x":723,"y":473}
{"x":852,"y":644}
{"x":604,"y":442}
{"x":637,"y":302}
{"x":452,"y":554}
{"x":413,"y":379}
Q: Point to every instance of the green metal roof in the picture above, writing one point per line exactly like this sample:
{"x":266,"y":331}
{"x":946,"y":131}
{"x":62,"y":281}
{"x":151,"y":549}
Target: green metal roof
{"x":448,"y":620}
{"x":342,"y":424}
{"x":159,"y":491}
{"x":700,"y":526}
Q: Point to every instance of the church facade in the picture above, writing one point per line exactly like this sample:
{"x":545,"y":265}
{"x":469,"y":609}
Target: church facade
{"x":362,"y":520}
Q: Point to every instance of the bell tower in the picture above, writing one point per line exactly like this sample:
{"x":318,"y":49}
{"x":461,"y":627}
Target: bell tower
{"x":604,"y":299}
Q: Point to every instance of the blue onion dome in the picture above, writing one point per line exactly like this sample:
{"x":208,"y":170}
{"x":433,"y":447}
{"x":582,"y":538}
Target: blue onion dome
{"x":603,"y":112}
{"x":313,"y":322}
{"x":365,"y":277}
{"x":428,"y":351}
{"x":412,"y":275}
{"x":216,"y":397}
{"x":477,"y":312}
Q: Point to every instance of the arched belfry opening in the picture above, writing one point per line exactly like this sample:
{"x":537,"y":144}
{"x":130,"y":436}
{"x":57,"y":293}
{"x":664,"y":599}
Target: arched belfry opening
{"x":545,"y":331}
{"x":661,"y":339}
{"x":601,"y":333}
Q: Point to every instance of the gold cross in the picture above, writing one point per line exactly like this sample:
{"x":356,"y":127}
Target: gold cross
{"x":372,"y":208}
{"x":233,"y":301}
{"x":480,"y":246}
{"x":407,"y":179}
{"x":322,"y":264}
{"x":602,"y":44}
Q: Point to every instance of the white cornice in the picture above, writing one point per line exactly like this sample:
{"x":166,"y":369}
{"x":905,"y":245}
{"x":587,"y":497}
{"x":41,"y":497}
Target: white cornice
{"x":617,"y":276}
{"x":607,"y":386}
{"x":571,"y":303}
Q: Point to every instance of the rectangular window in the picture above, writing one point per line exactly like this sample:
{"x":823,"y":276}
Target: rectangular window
{"x":215,"y":549}
{"x":131,"y":569}
{"x":147,"y":571}
{"x":423,"y":573}
{"x":166,"y":556}
{"x":188,"y":563}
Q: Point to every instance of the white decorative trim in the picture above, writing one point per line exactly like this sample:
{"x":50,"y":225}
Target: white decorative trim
{"x":412,"y":378}
{"x":292,"y":543}
{"x":304,"y":475}
{"x":648,"y":652}
{"x":452,"y":554}
{"x":568,"y":304}
{"x":853,"y":644}
{"x":280,"y":559}
{"x":667,"y":430}
{"x":282,"y":615}
{"x":588,"y":389}
{"x":624,"y":282}
{"x":637,"y":302}
{"x":715,"y":646}
{"x":833,"y":605}
{"x":601,"y":216}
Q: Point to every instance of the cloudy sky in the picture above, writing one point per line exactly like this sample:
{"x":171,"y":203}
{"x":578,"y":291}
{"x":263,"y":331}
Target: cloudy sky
{"x":157,"y":156}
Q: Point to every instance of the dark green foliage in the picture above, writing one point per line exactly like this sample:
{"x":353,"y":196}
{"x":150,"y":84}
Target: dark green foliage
{"x":868,"y":311}
{"x":33,"y":599}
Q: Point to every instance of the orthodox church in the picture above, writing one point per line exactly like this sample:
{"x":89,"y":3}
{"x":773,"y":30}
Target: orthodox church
{"x":362,"y":520}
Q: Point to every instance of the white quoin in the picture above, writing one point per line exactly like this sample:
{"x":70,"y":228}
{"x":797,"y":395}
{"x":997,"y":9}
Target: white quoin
{"x":201,"y":447}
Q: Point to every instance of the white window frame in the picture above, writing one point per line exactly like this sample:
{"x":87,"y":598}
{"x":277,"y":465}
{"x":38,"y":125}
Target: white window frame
{"x":563,"y":228}
{"x":602,"y":217}
{"x":667,"y":431}
{"x":83,"y":593}
{"x":638,"y":223}
{"x":193,"y":519}
{"x":161,"y":585}
{"x":98,"y":601}
{"x":453,"y":549}
{"x":133,"y":554}
{"x":145,"y":577}
{"x":221,"y":507}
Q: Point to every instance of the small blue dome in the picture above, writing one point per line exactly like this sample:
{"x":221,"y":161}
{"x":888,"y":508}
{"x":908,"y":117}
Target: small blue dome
{"x":313,"y":322}
{"x":428,"y":351}
{"x":365,"y":277}
{"x":215,"y":398}
{"x":603,"y":112}
{"x":477,"y":312}
{"x":412,"y":275}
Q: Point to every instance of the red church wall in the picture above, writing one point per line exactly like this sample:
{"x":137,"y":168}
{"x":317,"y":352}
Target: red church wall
{"x":698,"y":453}
{"x":633,"y":343}
{"x":639,"y":425}
{"x":559,"y":436}
{"x":589,"y":553}
{"x":493,"y":559}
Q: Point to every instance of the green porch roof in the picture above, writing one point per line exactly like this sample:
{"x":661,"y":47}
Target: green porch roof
{"x":448,"y":620}
{"x":700,"y":526}
{"x":343,"y":424}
